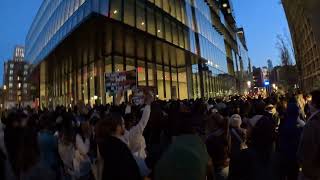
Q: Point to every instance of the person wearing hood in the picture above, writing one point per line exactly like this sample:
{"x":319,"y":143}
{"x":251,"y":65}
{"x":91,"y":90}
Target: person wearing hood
{"x":289,"y":136}
{"x":238,"y":135}
{"x":258,"y":161}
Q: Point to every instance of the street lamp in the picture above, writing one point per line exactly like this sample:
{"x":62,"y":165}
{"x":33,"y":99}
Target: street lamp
{"x":249,"y":84}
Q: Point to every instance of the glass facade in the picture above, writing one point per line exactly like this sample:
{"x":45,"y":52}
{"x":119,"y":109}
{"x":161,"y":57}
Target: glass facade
{"x":172,"y":44}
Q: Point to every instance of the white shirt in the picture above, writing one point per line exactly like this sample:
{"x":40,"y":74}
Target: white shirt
{"x":134,"y":137}
{"x":82,"y":146}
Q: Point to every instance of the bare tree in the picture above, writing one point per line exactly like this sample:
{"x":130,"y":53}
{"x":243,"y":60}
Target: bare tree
{"x":284,"y":51}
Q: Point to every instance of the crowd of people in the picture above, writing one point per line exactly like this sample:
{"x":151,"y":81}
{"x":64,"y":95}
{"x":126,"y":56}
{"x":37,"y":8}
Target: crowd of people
{"x":234,"y":138}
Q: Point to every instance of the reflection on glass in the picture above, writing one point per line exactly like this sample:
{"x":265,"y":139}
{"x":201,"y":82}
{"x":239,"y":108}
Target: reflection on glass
{"x":115,"y":9}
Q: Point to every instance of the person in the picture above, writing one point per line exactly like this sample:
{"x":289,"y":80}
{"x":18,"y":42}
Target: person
{"x":134,"y":138}
{"x":48,"y":143}
{"x":2,"y":164}
{"x":218,"y":144}
{"x":23,"y":156}
{"x":2,"y":153}
{"x":186,"y":158}
{"x":238,"y":135}
{"x":289,"y":136}
{"x":82,"y":163}
{"x":258,"y":161}
{"x":66,"y":146}
{"x":309,"y":148}
{"x":118,"y":161}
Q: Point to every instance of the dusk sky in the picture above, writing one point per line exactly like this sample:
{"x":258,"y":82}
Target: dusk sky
{"x":262,"y":20}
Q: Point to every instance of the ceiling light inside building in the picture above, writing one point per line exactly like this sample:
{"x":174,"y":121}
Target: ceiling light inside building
{"x":115,"y":12}
{"x":224,"y":5}
{"x":142,"y":23}
{"x":159,"y":31}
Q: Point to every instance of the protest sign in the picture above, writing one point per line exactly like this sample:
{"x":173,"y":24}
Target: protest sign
{"x":120,"y":81}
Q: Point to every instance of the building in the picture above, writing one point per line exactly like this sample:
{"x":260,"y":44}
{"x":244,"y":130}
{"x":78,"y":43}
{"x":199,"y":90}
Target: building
{"x":270,"y":65}
{"x":184,"y":49}
{"x":286,"y":77}
{"x":1,"y":99}
{"x":303,"y":19}
{"x":16,"y":86}
{"x":257,"y":77}
{"x":242,"y":63}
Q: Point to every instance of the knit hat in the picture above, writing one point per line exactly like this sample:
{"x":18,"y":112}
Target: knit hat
{"x":236,"y":121}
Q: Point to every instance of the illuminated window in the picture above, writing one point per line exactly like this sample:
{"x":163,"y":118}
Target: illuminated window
{"x":151,"y":19}
{"x":159,"y":25}
{"x":129,"y":12}
{"x":115,"y":9}
{"x":140,"y":19}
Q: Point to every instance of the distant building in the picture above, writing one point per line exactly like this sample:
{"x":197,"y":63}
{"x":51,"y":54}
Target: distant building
{"x":270,"y":65}
{"x":303,"y":19}
{"x":16,"y":86}
{"x":1,"y":98}
{"x":257,"y":77}
{"x":285,"y":77}
{"x":265,"y":74}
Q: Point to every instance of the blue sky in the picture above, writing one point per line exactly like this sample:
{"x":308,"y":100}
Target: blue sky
{"x":262,"y":20}
{"x":15,"y":18}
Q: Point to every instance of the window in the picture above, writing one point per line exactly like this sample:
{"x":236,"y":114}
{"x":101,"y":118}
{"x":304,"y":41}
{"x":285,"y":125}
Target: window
{"x":115,"y":9}
{"x":167,"y":27}
{"x":159,"y":25}
{"x":11,"y":72}
{"x":11,"y":66}
{"x":129,"y":12}
{"x":140,"y":19}
{"x":10,"y":78}
{"x":166,"y":6}
{"x":26,"y":66}
{"x":25,"y":85}
{"x":25,"y":73}
{"x":10,"y":85}
{"x":151,"y":23}
{"x":141,"y":73}
{"x":158,"y":3}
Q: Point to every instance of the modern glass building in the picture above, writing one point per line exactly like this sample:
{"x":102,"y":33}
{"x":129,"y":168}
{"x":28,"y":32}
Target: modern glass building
{"x":183,"y":48}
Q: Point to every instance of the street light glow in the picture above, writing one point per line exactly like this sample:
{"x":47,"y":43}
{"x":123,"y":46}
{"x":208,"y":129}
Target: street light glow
{"x":249,"y":84}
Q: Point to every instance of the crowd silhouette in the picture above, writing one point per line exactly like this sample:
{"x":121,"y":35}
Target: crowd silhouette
{"x":233,"y":138}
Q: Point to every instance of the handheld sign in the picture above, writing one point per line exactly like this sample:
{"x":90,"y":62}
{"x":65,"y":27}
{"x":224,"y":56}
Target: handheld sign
{"x":120,"y":81}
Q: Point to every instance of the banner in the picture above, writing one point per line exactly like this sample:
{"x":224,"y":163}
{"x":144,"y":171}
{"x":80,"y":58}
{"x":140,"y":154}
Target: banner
{"x":120,"y":81}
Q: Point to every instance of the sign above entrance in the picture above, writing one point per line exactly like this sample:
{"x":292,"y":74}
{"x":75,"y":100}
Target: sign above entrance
{"x":120,"y":81}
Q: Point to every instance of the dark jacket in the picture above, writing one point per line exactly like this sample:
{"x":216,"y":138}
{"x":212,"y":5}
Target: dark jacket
{"x":218,"y":148}
{"x":309,"y":149}
{"x":119,"y":163}
{"x":289,"y":133}
{"x":2,"y":163}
